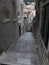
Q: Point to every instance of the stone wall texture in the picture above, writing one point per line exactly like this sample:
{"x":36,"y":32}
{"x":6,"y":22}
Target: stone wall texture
{"x":9,"y":31}
{"x":42,"y":51}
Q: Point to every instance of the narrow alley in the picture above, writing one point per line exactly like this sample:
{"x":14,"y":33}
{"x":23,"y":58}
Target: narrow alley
{"x":22,"y":52}
{"x":24,"y":32}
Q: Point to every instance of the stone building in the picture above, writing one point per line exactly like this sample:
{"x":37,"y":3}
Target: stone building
{"x":42,"y":29}
{"x":19,"y":4}
{"x":9,"y":30}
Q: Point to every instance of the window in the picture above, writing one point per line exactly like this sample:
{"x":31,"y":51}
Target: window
{"x":5,"y":13}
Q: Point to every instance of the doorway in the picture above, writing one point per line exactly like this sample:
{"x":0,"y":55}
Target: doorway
{"x":45,"y":24}
{"x":19,"y":30}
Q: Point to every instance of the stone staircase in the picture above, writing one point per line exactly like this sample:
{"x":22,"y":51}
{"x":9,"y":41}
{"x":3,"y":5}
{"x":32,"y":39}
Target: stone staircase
{"x":22,"y":52}
{"x":13,"y":58}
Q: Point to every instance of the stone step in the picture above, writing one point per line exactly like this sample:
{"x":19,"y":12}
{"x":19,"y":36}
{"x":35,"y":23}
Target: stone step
{"x":19,"y":58}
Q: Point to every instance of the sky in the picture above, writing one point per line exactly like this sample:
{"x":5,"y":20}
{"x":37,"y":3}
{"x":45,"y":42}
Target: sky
{"x":27,"y":1}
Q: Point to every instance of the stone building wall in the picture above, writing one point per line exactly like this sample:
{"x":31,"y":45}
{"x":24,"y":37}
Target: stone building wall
{"x":9,"y":31}
{"x":41,"y":46}
{"x":42,"y":4}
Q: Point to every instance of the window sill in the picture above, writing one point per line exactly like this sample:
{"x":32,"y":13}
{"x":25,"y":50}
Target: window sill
{"x":6,"y":20}
{"x":9,"y":20}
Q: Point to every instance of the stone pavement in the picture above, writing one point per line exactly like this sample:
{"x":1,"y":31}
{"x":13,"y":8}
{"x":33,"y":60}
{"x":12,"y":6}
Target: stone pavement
{"x":22,"y":52}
